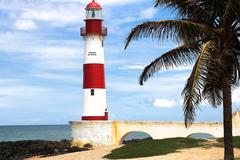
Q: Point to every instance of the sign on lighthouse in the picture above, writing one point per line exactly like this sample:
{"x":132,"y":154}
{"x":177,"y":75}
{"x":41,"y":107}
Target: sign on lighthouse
{"x":94,"y":92}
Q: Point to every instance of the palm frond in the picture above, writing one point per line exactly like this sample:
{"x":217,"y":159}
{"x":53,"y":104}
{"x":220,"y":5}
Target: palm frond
{"x":235,"y":25}
{"x":195,"y":83}
{"x":212,"y":90}
{"x":213,"y":93}
{"x":228,"y":20}
{"x":236,"y":69}
{"x":237,"y":30}
{"x":235,"y":7}
{"x":169,"y":29}
{"x":236,"y":51}
{"x":202,"y":11}
{"x":183,"y":8}
{"x":181,"y":55}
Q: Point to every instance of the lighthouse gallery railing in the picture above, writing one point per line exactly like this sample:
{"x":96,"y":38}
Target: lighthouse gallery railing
{"x":83,"y":31}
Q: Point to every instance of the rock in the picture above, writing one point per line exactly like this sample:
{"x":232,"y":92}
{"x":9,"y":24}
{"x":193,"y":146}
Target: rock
{"x":24,"y":149}
{"x":88,"y":145}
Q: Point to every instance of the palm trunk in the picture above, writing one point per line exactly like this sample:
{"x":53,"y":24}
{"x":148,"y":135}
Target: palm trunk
{"x":227,"y":116}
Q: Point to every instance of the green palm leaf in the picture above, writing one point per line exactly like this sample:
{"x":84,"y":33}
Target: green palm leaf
{"x":195,"y":83}
{"x":182,"y":55}
{"x":169,"y":29}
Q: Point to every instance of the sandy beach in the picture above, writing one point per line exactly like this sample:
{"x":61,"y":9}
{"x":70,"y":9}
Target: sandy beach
{"x":213,"y":153}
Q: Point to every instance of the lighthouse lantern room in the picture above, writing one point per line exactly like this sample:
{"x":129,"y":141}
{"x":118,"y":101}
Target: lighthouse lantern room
{"x":94,"y":92}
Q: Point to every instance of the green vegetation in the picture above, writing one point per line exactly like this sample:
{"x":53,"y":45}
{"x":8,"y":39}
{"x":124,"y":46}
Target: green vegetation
{"x":236,"y":142}
{"x":147,"y":148}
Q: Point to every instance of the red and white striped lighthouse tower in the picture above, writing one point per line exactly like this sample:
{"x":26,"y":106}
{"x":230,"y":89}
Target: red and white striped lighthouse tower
{"x":94,"y":92}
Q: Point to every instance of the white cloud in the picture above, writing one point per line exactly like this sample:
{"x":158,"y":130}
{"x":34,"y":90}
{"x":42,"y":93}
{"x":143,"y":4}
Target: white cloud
{"x":58,"y":64}
{"x":164,"y":103}
{"x":165,"y":85}
{"x":140,"y":66}
{"x":29,"y":14}
{"x":5,"y":106}
{"x":183,"y":68}
{"x":133,"y":67}
{"x":61,"y":77}
{"x":58,"y":52}
{"x":21,"y":89}
{"x":57,"y":16}
{"x":40,"y":47}
{"x":106,"y":2}
{"x":61,"y":13}
{"x":25,"y":25}
{"x":148,"y":13}
{"x":115,"y":25}
{"x":53,"y":54}
{"x":16,"y":93}
{"x":180,"y":68}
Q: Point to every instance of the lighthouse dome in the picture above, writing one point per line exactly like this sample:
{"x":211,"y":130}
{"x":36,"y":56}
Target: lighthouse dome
{"x":93,"y":5}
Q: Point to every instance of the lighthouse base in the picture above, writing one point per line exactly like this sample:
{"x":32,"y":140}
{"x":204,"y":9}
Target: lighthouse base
{"x":96,"y":133}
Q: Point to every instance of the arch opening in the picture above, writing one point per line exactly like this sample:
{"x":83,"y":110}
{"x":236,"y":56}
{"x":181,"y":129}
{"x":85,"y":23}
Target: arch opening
{"x":201,"y":136}
{"x":135,"y":136}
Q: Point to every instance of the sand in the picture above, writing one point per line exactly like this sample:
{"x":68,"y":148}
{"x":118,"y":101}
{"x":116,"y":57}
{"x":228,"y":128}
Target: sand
{"x":212,"y":153}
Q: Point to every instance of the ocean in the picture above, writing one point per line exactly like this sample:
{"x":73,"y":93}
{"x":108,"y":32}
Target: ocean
{"x":35,"y":132}
{"x":58,"y":132}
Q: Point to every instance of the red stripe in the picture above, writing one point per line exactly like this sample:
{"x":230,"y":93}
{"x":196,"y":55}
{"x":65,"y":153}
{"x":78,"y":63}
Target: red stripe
{"x":93,"y":76}
{"x":94,"y":26}
{"x":94,"y":118}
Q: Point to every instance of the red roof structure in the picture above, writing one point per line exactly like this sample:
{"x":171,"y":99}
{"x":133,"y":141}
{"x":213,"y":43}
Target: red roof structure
{"x":93,"y":5}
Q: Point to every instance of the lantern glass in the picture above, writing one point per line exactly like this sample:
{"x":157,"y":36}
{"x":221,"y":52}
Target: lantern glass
{"x":94,"y":14}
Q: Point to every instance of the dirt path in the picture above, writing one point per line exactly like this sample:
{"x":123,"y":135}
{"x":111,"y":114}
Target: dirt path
{"x":185,"y":154}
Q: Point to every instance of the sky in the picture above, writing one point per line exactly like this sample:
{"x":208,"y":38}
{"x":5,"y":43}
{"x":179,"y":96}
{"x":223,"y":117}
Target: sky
{"x":41,"y":57}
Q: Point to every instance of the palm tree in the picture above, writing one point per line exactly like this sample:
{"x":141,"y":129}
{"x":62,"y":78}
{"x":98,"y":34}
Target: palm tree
{"x":208,"y":32}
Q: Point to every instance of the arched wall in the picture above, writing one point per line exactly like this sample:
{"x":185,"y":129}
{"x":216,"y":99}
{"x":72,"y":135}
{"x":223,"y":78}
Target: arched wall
{"x":160,"y":130}
{"x":100,"y":133}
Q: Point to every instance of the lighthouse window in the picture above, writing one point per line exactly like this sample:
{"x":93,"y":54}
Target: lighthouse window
{"x":92,"y":92}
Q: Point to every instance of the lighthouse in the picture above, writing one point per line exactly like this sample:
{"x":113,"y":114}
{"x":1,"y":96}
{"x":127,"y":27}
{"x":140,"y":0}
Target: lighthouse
{"x":94,"y":91}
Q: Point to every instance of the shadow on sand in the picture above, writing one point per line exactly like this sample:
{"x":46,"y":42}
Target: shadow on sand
{"x":148,"y":148}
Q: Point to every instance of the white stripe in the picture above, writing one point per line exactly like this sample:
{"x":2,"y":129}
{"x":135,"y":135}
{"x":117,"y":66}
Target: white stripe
{"x":94,"y":105}
{"x":94,"y":51}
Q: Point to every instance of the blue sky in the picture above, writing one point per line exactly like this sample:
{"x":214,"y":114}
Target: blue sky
{"x":41,"y":56}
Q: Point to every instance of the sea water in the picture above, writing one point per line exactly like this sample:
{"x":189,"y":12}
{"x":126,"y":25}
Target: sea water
{"x":34,"y":132}
{"x":59,"y":132}
{"x":47,"y":132}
